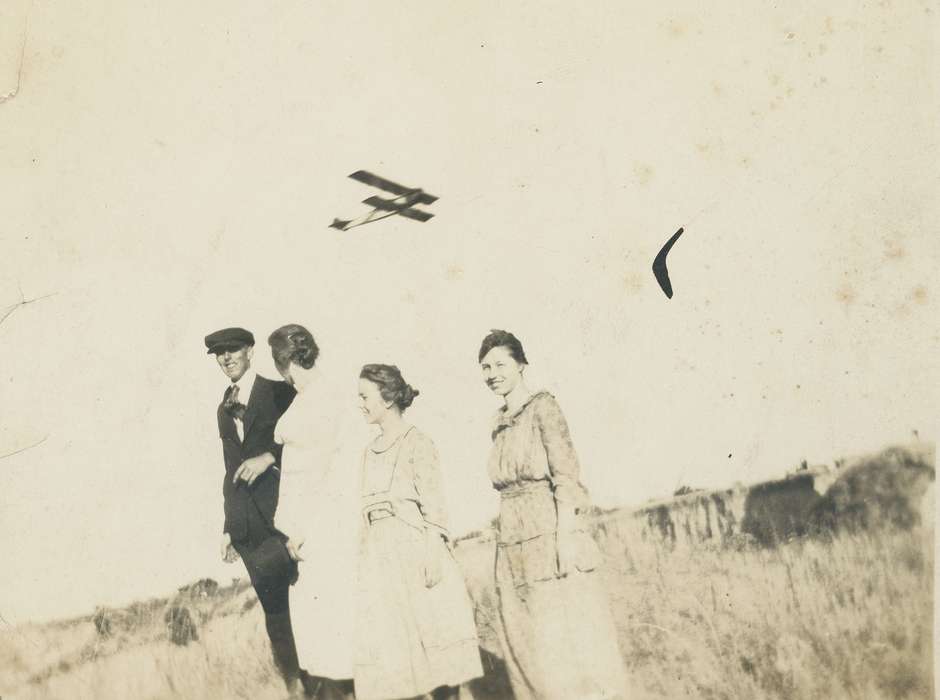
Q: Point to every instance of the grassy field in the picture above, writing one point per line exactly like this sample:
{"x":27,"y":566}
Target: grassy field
{"x":849,"y":616}
{"x":846,"y":618}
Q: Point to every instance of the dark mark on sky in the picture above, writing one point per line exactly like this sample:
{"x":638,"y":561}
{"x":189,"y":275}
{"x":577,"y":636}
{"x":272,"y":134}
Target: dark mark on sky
{"x":659,"y":265}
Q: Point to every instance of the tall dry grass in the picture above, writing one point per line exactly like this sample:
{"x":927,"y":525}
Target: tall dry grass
{"x":850,"y":617}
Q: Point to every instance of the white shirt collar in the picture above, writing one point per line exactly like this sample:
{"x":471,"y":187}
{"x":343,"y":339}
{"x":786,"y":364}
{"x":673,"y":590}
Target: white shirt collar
{"x":245,"y":385}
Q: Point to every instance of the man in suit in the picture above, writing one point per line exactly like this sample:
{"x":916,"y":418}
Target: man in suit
{"x":250,"y":409}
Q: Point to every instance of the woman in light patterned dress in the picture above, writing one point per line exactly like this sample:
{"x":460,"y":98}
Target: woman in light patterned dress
{"x":415,"y":632}
{"x":556,"y":628}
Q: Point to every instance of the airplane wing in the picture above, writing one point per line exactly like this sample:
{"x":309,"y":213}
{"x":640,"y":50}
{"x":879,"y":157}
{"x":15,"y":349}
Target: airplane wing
{"x":416,"y":214}
{"x":403,"y":209}
{"x":372,"y":180}
{"x":384,"y":204}
{"x":406,"y":200}
{"x":368,"y":178}
{"x":425,"y":198}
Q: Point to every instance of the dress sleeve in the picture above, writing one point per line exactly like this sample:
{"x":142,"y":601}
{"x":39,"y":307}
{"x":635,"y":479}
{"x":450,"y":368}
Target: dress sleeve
{"x":293,"y":489}
{"x":427,"y":477}
{"x":563,"y":464}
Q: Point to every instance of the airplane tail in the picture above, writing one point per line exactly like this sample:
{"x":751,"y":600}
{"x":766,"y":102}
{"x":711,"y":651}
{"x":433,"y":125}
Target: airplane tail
{"x":340,"y":224}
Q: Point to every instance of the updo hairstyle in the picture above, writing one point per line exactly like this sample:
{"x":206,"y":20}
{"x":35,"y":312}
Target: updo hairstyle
{"x":293,"y":343}
{"x":392,"y":386}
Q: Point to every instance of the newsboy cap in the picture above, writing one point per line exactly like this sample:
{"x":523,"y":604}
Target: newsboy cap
{"x":228,"y":339}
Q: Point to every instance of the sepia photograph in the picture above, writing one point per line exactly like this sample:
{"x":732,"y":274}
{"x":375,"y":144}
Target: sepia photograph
{"x":468,"y":351}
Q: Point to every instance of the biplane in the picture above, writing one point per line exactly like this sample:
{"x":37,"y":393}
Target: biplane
{"x":403,"y":204}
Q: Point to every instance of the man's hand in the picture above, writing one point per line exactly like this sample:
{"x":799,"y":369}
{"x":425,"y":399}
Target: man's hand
{"x":228,"y":552}
{"x":293,"y":548}
{"x":252,"y":468}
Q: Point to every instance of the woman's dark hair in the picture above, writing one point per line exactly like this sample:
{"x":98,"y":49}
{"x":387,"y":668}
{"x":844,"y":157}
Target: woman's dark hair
{"x":293,"y":343}
{"x":392,"y":386}
{"x":503,"y":339}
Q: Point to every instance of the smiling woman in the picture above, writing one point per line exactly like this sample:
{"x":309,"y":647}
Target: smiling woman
{"x":557,"y":632}
{"x":415,"y":629}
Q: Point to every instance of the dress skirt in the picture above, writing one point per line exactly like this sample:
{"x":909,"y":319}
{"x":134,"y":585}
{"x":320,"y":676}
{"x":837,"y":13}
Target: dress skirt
{"x":410,"y":639}
{"x":323,"y":599}
{"x":557,"y":633}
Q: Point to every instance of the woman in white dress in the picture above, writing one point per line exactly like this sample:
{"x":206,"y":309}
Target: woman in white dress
{"x":317,"y":511}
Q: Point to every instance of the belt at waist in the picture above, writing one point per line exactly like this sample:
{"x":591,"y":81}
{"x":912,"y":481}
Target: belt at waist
{"x":521,"y":488}
{"x":406,"y":511}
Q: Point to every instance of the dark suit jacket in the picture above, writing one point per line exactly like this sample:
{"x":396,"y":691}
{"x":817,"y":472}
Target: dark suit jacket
{"x":249,"y":510}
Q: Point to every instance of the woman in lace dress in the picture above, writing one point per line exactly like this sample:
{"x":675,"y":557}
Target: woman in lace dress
{"x":557,"y":632}
{"x":415,"y":632}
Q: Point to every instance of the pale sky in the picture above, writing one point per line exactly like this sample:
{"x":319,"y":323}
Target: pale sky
{"x":168,"y":169}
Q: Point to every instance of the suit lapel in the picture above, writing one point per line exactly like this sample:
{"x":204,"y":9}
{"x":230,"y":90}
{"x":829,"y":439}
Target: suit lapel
{"x":254,"y":401}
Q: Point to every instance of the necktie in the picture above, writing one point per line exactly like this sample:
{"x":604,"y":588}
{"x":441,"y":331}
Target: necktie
{"x":231,"y":404}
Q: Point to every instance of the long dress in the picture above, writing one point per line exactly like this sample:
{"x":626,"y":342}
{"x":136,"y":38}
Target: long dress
{"x":410,"y":639}
{"x":556,"y":631}
{"x":318,"y":505}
